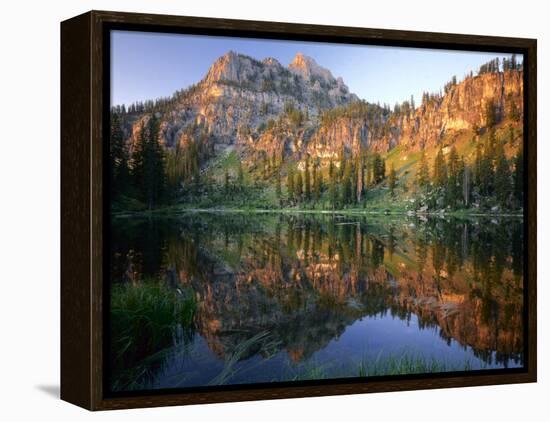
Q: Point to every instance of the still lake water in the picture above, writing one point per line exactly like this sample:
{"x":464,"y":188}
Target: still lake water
{"x":276,"y":297}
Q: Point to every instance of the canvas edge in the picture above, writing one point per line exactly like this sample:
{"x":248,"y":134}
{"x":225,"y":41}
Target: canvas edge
{"x":76,"y":327}
{"x":93,"y":385}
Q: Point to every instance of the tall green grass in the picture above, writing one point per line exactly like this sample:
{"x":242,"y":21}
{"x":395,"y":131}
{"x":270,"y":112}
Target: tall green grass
{"x":390,"y":365}
{"x":407,"y":364}
{"x":143,"y":322}
{"x":382,"y":365}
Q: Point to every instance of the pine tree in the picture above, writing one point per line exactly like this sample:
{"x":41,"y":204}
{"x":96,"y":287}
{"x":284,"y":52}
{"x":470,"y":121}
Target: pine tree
{"x":290,"y":184}
{"x":173,"y":169}
{"x":190,"y":163}
{"x":347,"y":184}
{"x":265,"y":166}
{"x":353,"y":180}
{"x":333,"y":192}
{"x":368,"y":171}
{"x":503,"y":185}
{"x":120,"y":173}
{"x":160,"y":165}
{"x":392,"y":180}
{"x":486,"y":167}
{"x":477,"y":164}
{"x":331,"y":169}
{"x":299,"y":187}
{"x":466,"y":184}
{"x":226,"y":181}
{"x":153,"y":165}
{"x":440,"y":170}
{"x":240,"y":176}
{"x":138,"y":158}
{"x":317,"y":183}
{"x":512,"y":135}
{"x":453,"y":162}
{"x":490,"y":114}
{"x":453,"y":178}
{"x":194,"y":163}
{"x":274,"y":161}
{"x":319,"y":186}
{"x":514,"y":111}
{"x":278,"y":189}
{"x":342,"y":161}
{"x":360,"y":171}
{"x":378,"y":168}
{"x":375,"y":168}
{"x":422,"y":173}
{"x":518,"y":178}
{"x":307,"y":182}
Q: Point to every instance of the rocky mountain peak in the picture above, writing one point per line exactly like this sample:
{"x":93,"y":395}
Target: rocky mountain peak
{"x":226,"y":68}
{"x":308,"y":67}
{"x":270,"y":61}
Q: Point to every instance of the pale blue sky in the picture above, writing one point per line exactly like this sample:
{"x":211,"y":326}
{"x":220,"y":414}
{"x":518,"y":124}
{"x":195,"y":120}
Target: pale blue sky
{"x":147,"y":65}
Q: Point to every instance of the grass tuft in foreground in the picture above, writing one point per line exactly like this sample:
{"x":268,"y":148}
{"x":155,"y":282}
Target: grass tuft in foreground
{"x":390,"y":365}
{"x":144,"y":320}
{"x":407,"y":364}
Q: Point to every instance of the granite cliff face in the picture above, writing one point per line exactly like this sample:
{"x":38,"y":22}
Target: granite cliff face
{"x":462,"y":107}
{"x":245,"y":102}
{"x":239,"y":93}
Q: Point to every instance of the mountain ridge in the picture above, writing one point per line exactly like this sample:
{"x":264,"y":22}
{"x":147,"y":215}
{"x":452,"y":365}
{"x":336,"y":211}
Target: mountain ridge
{"x":239,"y":92}
{"x":277,"y":122}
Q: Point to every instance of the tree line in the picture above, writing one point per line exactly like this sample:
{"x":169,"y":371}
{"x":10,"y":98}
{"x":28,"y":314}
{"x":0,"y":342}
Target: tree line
{"x":144,"y":170}
{"x":141,"y":173}
{"x":160,"y":104}
{"x":494,"y":65}
{"x":491,"y":179}
{"x":347,"y":181}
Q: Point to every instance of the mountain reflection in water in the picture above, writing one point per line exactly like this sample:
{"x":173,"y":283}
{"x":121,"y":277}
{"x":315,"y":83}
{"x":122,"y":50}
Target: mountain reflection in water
{"x":276,"y":297}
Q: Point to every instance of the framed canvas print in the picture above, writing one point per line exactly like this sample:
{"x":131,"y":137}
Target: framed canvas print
{"x":258,"y":210}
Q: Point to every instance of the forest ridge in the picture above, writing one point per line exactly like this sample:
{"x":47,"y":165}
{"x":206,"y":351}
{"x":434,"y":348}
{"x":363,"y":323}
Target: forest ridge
{"x":257,"y":135}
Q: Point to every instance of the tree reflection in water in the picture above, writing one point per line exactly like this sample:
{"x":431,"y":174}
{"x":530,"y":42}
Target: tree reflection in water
{"x":285,"y":293}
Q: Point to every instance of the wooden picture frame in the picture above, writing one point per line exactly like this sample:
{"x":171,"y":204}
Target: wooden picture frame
{"x":84,"y":110}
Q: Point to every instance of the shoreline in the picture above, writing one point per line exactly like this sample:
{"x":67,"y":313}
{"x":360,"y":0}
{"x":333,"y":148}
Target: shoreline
{"x":167,"y":212}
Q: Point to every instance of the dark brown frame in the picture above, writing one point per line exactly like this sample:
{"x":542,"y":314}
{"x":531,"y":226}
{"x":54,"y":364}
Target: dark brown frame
{"x":82,"y":202}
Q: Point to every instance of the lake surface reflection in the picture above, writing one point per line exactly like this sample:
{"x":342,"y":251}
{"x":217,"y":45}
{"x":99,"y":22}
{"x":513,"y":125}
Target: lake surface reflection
{"x":226,"y":298}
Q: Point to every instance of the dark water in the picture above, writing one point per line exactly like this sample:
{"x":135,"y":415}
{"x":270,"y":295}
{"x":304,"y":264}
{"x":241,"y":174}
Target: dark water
{"x":206,"y":299}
